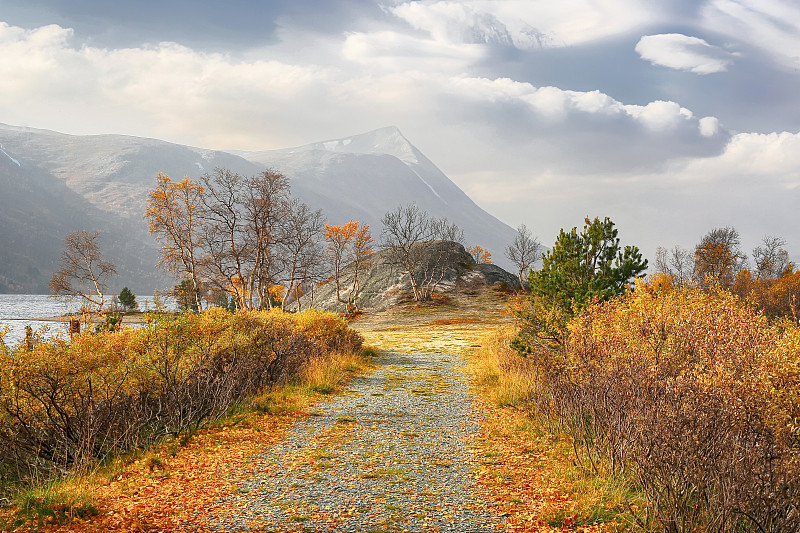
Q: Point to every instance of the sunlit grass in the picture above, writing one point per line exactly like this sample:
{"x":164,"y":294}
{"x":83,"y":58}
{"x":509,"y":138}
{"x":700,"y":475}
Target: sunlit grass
{"x":521,"y":449}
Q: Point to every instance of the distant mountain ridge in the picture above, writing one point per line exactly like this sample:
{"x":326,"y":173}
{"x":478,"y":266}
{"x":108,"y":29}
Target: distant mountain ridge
{"x":364,"y":176}
{"x":53,"y":183}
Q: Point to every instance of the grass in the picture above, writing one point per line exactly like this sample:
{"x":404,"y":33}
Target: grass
{"x":520,"y":451}
{"x":56,"y":503}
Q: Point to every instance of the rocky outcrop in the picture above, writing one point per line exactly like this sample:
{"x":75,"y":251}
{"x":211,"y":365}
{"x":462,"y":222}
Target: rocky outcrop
{"x":385,"y":284}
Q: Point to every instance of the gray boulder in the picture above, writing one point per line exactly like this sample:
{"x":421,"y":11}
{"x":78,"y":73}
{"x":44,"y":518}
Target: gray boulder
{"x":384,"y":284}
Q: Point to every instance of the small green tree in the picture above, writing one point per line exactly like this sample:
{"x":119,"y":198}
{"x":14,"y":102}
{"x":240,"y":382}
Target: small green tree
{"x":185,"y":296}
{"x":127,"y":299}
{"x":580,"y":269}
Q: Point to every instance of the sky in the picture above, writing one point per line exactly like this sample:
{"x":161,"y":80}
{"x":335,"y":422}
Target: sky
{"x":671,"y":118}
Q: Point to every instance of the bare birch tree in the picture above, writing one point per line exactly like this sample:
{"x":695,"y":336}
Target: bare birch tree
{"x":266,"y":213}
{"x":771,"y":258}
{"x":525,"y":251}
{"x":677,"y":263}
{"x":224,"y":234}
{"x":300,"y":248}
{"x":83,"y":272}
{"x":414,"y":241}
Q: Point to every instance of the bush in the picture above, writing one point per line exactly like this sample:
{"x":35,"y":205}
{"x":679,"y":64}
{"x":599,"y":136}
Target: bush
{"x":64,"y":403}
{"x":694,"y":394}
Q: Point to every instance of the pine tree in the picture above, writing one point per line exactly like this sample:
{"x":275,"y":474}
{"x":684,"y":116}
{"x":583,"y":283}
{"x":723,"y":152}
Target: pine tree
{"x":127,"y":299}
{"x":581,"y":269}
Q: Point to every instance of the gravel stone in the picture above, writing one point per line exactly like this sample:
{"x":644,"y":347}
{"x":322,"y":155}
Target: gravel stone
{"x":389,"y":454}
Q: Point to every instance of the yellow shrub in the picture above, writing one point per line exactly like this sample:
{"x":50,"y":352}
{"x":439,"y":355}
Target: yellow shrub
{"x":698,"y":394}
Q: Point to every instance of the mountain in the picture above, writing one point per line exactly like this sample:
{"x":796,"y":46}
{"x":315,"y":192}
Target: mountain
{"x":364,"y":176}
{"x":52,"y":183}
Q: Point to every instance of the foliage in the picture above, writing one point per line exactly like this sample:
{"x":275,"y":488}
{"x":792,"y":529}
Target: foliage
{"x":480,"y":255}
{"x":64,"y":404}
{"x":127,"y":299}
{"x":112,"y":321}
{"x":185,"y":296}
{"x":82,"y":263}
{"x":174,"y":216}
{"x":540,"y":476}
{"x":718,"y":258}
{"x":348,"y":246}
{"x":693,"y":394}
{"x":580,"y":269}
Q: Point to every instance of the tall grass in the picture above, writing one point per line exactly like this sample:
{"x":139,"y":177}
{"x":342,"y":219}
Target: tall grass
{"x":503,"y":376}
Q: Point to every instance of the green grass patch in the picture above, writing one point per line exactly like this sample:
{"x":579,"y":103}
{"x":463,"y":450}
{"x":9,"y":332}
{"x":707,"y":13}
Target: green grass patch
{"x":57,"y":504}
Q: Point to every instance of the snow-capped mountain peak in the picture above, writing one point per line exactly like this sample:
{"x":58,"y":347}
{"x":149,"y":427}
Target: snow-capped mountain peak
{"x":386,"y":140}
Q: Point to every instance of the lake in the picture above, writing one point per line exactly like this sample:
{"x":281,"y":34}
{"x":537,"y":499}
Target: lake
{"x":20,"y":310}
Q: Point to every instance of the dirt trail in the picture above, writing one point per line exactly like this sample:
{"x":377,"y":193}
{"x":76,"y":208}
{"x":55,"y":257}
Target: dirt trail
{"x":392,"y":453}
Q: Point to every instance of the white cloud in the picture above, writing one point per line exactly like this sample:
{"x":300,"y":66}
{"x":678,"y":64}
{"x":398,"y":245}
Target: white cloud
{"x":681,"y":52}
{"x":709,"y":126}
{"x":524,"y":23}
{"x":396,"y":51}
{"x":660,"y":115}
{"x":454,"y":22}
{"x":772,"y":25}
{"x":556,"y":104}
{"x":759,"y":158}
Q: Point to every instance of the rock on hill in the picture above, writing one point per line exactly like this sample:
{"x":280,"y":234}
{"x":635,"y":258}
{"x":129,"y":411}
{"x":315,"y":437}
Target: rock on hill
{"x":384,"y":285}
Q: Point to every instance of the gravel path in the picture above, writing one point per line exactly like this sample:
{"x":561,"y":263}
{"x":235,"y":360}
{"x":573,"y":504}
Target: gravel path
{"x":390,"y":454}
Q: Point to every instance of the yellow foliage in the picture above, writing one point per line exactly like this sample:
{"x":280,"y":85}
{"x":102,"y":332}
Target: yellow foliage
{"x":65,"y":402}
{"x":689,"y":385}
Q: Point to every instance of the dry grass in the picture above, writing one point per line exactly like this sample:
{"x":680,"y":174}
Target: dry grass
{"x":453,"y":321}
{"x":501,"y":374}
{"x":541,"y":485}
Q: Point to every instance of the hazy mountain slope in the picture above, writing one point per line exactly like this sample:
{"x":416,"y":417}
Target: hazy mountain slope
{"x":114,"y":172}
{"x":37,"y":210}
{"x":364,"y":176}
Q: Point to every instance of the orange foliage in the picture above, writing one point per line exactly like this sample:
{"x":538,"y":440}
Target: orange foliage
{"x":277,"y":292}
{"x":348,"y":246}
{"x":480,"y":255}
{"x":715,"y":263}
{"x":775,"y":297}
{"x":173,"y":215}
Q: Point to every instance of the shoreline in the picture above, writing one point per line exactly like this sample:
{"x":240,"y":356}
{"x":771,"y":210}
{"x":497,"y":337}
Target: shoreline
{"x":94,"y":319}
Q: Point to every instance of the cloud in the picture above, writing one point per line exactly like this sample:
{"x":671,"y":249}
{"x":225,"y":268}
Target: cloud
{"x":681,"y":52}
{"x":771,"y":25}
{"x":709,"y":126}
{"x":394,"y":51}
{"x":573,"y":131}
{"x":524,"y":24}
{"x":455,"y":22}
{"x":759,"y":159}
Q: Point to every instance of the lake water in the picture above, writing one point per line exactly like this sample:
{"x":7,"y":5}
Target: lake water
{"x":20,"y":310}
